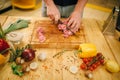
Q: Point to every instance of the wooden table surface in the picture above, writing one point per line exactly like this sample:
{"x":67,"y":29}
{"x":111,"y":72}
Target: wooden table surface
{"x":58,"y":68}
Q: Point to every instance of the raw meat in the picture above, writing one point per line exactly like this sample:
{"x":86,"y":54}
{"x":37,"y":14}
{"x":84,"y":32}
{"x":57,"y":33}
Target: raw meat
{"x":41,"y":36}
{"x":63,"y":27}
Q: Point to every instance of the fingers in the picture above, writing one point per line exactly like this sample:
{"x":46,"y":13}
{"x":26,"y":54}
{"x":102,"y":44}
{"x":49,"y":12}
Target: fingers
{"x":70,"y":21}
{"x":51,"y":17}
{"x":54,"y":18}
{"x":57,"y":17}
{"x":76,"y":28}
{"x":74,"y":25}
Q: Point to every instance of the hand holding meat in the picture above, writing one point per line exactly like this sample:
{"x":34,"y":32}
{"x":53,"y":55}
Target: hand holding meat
{"x":74,"y":21}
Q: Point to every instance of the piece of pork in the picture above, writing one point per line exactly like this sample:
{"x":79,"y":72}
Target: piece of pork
{"x":63,"y":28}
{"x":41,"y":36}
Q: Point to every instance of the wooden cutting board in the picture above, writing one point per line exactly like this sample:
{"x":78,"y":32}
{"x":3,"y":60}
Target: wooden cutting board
{"x":54,"y":37}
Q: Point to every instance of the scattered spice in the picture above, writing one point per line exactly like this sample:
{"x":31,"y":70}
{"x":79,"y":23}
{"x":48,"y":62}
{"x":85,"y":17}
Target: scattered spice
{"x":57,"y":70}
{"x":45,"y":67}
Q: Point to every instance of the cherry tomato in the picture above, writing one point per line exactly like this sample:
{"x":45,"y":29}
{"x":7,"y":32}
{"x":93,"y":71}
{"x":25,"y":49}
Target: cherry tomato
{"x":83,"y":66}
{"x":90,"y":59}
{"x":87,"y":63}
{"x":85,"y":60}
{"x":102,"y":61}
{"x":94,"y":66}
{"x":97,"y":63}
{"x":91,"y":68}
{"x":99,"y":54}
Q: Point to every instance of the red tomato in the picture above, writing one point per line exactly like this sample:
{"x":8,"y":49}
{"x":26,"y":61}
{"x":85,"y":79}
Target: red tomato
{"x":94,"y":66}
{"x":99,"y":54}
{"x":97,"y":63}
{"x":87,"y":63}
{"x":102,"y":61}
{"x":83,"y":66}
{"x":90,"y":59}
{"x":91,"y":68}
{"x":85,"y":60}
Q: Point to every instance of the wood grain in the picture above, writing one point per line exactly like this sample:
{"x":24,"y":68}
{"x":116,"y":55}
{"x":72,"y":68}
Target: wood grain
{"x":3,"y":19}
{"x":57,"y":68}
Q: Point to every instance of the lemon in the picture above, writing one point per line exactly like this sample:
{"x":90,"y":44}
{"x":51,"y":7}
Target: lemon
{"x":2,"y":59}
{"x":112,"y":66}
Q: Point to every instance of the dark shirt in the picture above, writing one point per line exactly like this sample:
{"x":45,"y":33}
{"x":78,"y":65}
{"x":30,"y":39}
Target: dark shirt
{"x":65,"y":2}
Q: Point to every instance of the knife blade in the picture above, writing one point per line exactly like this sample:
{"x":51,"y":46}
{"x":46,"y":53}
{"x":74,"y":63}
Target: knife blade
{"x":60,"y":22}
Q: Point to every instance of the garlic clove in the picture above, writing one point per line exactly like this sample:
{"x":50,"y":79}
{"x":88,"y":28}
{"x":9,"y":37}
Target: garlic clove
{"x":33,"y":65}
{"x":42,"y":56}
{"x":73,"y":69}
{"x":22,"y":61}
{"x":27,"y":69}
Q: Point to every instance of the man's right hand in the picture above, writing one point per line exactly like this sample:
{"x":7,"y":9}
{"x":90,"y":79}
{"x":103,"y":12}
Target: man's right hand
{"x":53,"y":13}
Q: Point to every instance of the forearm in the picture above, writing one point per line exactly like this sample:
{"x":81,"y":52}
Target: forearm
{"x":80,"y":6}
{"x":49,"y":2}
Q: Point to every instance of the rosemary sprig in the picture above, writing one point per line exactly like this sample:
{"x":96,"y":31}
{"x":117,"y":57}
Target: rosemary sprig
{"x":60,"y":53}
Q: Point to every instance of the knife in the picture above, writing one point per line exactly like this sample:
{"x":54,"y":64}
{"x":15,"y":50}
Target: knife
{"x":68,"y":28}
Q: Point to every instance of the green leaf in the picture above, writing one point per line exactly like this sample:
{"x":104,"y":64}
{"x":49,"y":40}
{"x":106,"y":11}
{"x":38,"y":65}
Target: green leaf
{"x":77,"y":51}
{"x":2,"y":35}
{"x":17,"y":69}
{"x":17,"y":25}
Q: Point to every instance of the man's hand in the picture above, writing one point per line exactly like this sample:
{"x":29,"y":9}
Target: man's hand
{"x":74,"y":21}
{"x":53,"y":13}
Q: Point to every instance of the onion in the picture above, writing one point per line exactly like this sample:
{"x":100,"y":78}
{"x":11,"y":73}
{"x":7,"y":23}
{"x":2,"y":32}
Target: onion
{"x":28,"y":54}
